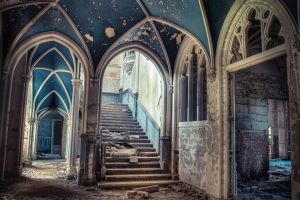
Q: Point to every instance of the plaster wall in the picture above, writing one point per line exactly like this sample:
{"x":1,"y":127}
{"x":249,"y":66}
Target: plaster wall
{"x":150,"y":88}
{"x":199,"y":147}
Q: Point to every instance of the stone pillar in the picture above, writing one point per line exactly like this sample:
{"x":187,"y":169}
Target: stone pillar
{"x":293,"y":62}
{"x":34,"y":138}
{"x":74,"y":124}
{"x":87,"y":173}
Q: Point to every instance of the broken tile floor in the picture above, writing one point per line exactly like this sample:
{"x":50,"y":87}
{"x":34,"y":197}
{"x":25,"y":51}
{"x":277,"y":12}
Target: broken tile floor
{"x":46,"y":180}
{"x":277,"y":186}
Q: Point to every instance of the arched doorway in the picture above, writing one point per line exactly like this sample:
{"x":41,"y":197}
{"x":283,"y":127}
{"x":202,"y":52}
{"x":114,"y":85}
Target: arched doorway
{"x":255,"y":41}
{"x":18,"y":67}
{"x":154,"y":116}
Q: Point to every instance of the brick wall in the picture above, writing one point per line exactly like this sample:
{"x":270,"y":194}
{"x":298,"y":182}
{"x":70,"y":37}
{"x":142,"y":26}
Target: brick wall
{"x":252,"y":154}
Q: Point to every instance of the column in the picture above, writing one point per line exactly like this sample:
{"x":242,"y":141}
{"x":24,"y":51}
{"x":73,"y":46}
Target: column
{"x":34,"y":138}
{"x":190,"y":89}
{"x":74,"y":124}
{"x":200,"y":94}
{"x":293,"y":62}
{"x":87,"y":174}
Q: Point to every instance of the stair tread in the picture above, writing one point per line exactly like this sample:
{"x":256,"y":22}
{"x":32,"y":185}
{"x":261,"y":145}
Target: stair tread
{"x":108,"y":184}
{"x":138,"y":175}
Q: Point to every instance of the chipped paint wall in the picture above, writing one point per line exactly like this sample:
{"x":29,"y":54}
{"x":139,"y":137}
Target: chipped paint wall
{"x":199,"y":147}
{"x":194,"y":144}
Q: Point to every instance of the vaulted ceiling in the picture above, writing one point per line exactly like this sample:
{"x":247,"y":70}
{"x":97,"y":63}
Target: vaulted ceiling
{"x":99,"y":25}
{"x":53,"y":69}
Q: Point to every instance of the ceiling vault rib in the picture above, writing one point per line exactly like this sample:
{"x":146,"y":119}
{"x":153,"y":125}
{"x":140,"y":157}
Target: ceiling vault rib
{"x":49,"y":51}
{"x":71,"y":22}
{"x":148,"y":17}
{"x":30,"y":59}
{"x":179,"y":28}
{"x":2,"y":9}
{"x":46,"y":96}
{"x":41,"y":87}
{"x":207,"y":28}
{"x":64,"y":87}
{"x":26,"y":28}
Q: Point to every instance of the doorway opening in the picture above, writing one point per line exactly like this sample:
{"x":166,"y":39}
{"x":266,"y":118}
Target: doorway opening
{"x":260,"y":101}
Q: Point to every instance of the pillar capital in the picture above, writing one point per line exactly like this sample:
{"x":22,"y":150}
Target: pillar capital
{"x":26,"y":77}
{"x":76,"y":82}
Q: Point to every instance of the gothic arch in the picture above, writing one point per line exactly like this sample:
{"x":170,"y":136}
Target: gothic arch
{"x":15,"y":75}
{"x":184,"y":55}
{"x":232,"y":55}
{"x":165,"y":132}
{"x":136,"y":46}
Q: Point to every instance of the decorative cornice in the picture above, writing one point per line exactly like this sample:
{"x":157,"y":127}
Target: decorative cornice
{"x":76,"y":82}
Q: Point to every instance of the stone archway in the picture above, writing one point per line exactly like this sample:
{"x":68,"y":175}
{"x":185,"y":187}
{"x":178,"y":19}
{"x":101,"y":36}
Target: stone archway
{"x":233,"y":55}
{"x":14,"y":83}
{"x":165,"y":136}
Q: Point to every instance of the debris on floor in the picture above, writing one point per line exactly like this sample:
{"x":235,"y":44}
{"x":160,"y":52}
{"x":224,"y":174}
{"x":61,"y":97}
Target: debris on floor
{"x":42,"y":181}
{"x":276,"y":186}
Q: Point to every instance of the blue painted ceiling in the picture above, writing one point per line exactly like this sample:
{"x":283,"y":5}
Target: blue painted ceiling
{"x":76,"y":19}
{"x":52,"y":74}
{"x":93,"y":17}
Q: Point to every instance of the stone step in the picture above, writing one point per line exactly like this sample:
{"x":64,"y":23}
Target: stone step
{"x":132,"y":165}
{"x":134,"y":184}
{"x":141,"y":144}
{"x":137,"y":133}
{"x":114,"y":105}
{"x":138,"y":177}
{"x":117,"y":171}
{"x":112,"y":123}
{"x":146,"y":149}
{"x":116,"y":118}
{"x":121,"y":126}
{"x":118,"y":141}
{"x":142,"y":154}
{"x":126,"y":159}
{"x":117,"y":115}
{"x":110,"y":120}
{"x":117,"y":129}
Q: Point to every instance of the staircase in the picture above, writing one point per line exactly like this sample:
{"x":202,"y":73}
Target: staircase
{"x":120,"y":173}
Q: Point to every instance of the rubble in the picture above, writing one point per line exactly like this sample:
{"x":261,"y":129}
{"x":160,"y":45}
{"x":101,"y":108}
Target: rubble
{"x":152,"y":188}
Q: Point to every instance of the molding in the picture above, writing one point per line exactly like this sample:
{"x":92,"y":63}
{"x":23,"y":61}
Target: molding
{"x":193,"y":124}
{"x":257,"y":59}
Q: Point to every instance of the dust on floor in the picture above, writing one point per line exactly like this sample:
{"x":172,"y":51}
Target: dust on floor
{"x":276,"y":186}
{"x":46,"y":179}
